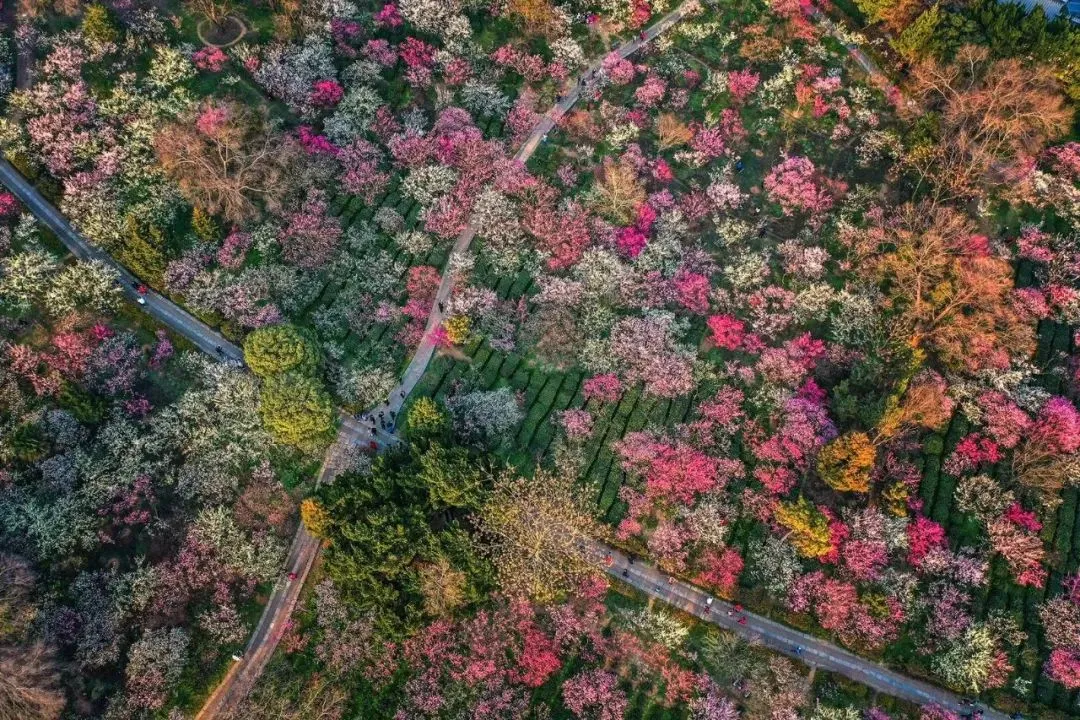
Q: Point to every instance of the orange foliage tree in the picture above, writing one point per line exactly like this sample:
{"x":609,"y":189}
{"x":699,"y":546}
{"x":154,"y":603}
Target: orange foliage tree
{"x":538,"y":16}
{"x":945,"y":290}
{"x":672,"y":132}
{"x":994,"y":115}
{"x":846,"y":462}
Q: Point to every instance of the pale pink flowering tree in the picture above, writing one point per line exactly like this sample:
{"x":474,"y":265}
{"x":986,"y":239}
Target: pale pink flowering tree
{"x":62,"y":118}
{"x":837,"y":606}
{"x":605,"y":388}
{"x":1060,"y":618}
{"x":724,"y":196}
{"x":360,"y":170}
{"x":389,"y":16}
{"x":1021,"y":548}
{"x":1065,"y":159}
{"x":311,"y":236}
{"x":595,"y":695}
{"x":668,"y":544}
{"x":380,"y":51}
{"x":28,"y":363}
{"x":162,"y":350}
{"x":794,"y":185}
{"x":563,"y":233}
{"x":865,"y":559}
{"x":802,"y":428}
{"x":692,"y":291}
{"x":936,"y":712}
{"x":522,"y":117}
{"x":457,"y":71}
{"x":950,"y":614}
{"x":673,"y":471}
{"x":646,"y":352}
{"x":651,"y":92}
{"x":577,"y":424}
{"x":721,"y":570}
{"x":724,"y":413}
{"x":709,"y":142}
{"x":741,"y":83}
{"x":234,"y":249}
{"x":617,"y":69}
{"x":210,"y":59}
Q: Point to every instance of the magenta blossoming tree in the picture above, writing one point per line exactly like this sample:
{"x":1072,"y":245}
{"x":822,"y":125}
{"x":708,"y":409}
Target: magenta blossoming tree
{"x":795,"y":186}
{"x":595,"y":695}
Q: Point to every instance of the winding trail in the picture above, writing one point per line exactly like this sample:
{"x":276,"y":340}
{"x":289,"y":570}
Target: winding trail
{"x":352,"y":434}
{"x":273,"y":623}
{"x":544,"y":125}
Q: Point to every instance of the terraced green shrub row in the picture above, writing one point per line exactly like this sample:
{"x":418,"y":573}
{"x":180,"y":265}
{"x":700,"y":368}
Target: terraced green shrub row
{"x":1061,"y":533}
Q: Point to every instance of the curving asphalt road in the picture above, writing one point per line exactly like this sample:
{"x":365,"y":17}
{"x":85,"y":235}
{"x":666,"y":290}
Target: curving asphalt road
{"x":273,"y":623}
{"x":780,"y":638}
{"x":305,"y":547}
{"x":157,"y":306}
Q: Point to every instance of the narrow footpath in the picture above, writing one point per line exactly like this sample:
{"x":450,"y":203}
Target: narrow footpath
{"x":260,"y":648}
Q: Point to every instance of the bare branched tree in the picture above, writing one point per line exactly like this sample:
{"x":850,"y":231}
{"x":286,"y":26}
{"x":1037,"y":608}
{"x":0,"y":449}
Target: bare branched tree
{"x":29,"y":684}
{"x":228,"y":160}
{"x":994,"y":115}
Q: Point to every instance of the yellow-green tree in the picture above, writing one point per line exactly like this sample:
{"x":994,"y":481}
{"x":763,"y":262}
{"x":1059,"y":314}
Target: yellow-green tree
{"x":297,"y":411}
{"x":538,"y":532}
{"x":425,"y":419}
{"x":457,"y":329}
{"x":442,"y":585}
{"x":314,"y":517}
{"x":97,"y":26}
{"x":808,"y":528}
{"x":846,"y":462}
{"x":453,"y":479}
{"x":140,"y":251}
{"x":278,"y":349}
{"x":204,"y":225}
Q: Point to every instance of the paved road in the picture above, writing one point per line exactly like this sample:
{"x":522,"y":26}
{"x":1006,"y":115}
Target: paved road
{"x":157,"y":306}
{"x":799,"y":645}
{"x":305,"y":547}
{"x":272,"y":626}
